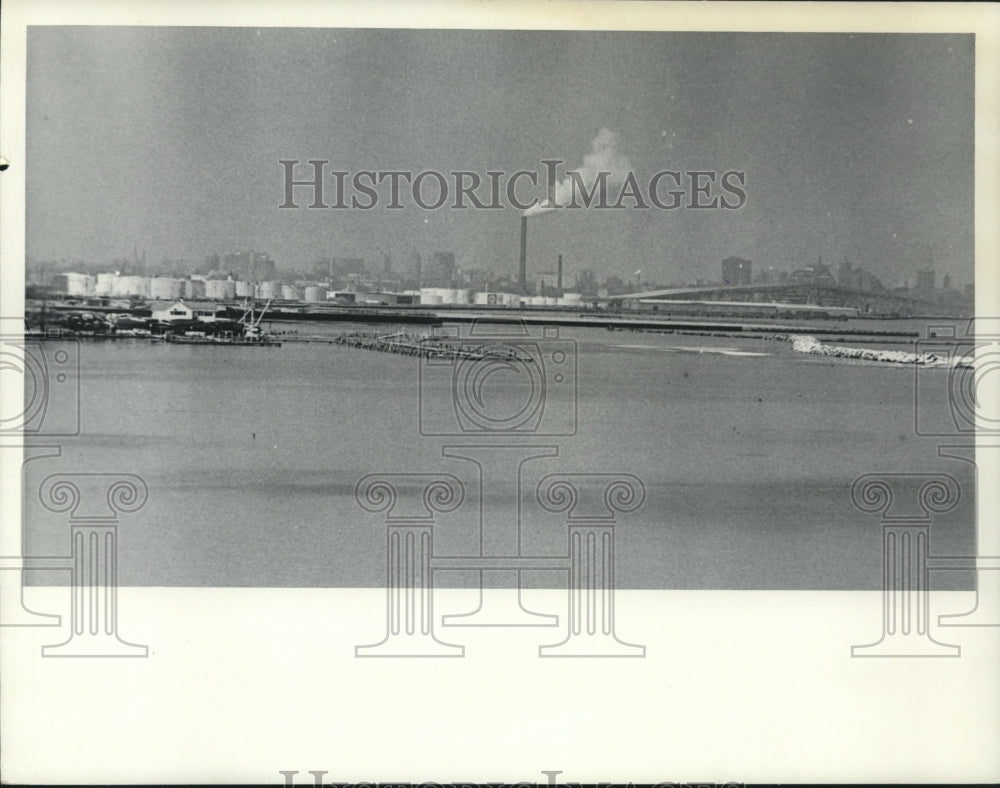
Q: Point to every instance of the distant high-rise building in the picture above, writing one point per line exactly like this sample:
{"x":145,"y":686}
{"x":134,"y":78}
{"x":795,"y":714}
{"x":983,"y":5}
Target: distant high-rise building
{"x":736,"y":271}
{"x":845,"y":274}
{"x":817,"y":274}
{"x":852,"y":278}
{"x":586,"y":282}
{"x":547,"y":283}
{"x":247,"y":265}
{"x":333,"y":268}
{"x":615,"y":286}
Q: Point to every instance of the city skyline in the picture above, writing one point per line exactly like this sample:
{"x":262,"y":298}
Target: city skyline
{"x":252,"y":267}
{"x":854,"y":146}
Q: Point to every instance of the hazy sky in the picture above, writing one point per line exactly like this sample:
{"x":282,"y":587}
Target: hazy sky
{"x":170,"y":138}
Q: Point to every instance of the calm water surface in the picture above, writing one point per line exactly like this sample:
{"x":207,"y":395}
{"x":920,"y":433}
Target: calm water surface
{"x":747,"y":451}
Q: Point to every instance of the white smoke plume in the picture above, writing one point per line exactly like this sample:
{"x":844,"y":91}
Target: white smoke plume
{"x":603,"y":157}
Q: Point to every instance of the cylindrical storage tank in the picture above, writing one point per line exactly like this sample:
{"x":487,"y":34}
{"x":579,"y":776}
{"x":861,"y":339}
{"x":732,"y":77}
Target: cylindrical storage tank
{"x":314,"y":294}
{"x":194,"y":288}
{"x":164,"y":289}
{"x":159,"y":289}
{"x":80,"y":284}
{"x":105,"y":284}
{"x":534,"y":301}
{"x":291,"y":293}
{"x":132,"y":286}
{"x":220,"y":289}
{"x":244,"y":289}
{"x":572,"y":298}
{"x":455,"y":296}
{"x":550,"y":301}
{"x":76,"y":284}
{"x":429,"y":294}
{"x":269,"y":290}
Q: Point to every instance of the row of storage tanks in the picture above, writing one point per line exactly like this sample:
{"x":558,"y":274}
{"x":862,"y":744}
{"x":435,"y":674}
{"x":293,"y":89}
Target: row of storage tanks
{"x":449,"y":296}
{"x":166,"y":289}
{"x":163,"y":288}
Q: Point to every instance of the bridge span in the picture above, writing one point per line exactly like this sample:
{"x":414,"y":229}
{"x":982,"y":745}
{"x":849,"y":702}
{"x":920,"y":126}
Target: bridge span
{"x":811,"y":294}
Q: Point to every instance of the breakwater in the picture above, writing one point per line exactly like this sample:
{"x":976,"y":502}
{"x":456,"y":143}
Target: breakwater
{"x":812,"y":346}
{"x":430,"y":346}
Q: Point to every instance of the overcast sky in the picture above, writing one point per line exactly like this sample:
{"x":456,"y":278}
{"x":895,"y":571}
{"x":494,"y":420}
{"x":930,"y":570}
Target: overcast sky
{"x":170,"y":138}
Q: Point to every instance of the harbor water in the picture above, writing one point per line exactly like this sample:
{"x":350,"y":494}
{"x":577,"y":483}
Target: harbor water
{"x":746,"y":448}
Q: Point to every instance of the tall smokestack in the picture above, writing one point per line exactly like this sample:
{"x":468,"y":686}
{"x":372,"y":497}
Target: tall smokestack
{"x":559,"y":274}
{"x":522,"y":273}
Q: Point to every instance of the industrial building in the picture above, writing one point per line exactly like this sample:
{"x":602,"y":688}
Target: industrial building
{"x":178,"y":310}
